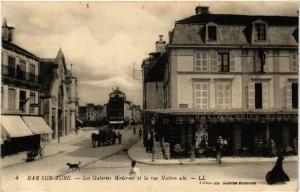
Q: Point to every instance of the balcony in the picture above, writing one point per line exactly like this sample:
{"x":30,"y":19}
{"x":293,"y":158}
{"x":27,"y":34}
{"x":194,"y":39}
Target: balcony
{"x":18,"y":74}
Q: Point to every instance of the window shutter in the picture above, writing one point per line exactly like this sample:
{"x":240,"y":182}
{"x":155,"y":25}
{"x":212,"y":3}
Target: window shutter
{"x":257,"y":62}
{"x":213,"y":62}
{"x":267,"y":63}
{"x":251,"y":96}
{"x":293,"y":62}
{"x":232,"y":62}
{"x":265,"y":95}
{"x":289,"y":95}
{"x":204,"y":62}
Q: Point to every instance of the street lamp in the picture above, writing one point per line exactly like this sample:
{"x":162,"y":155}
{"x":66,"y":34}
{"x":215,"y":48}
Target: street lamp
{"x":153,"y":139}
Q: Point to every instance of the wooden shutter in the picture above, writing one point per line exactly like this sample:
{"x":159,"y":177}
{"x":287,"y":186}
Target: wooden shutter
{"x":257,"y":62}
{"x":232,"y":62}
{"x":265,"y":95}
{"x":213,"y":62}
{"x":11,"y":99}
{"x":267,"y":63}
{"x":204,"y":62}
{"x":289,"y":95}
{"x":293,"y":62}
{"x":251,"y":96}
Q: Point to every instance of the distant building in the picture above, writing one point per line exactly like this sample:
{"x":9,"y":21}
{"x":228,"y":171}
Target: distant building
{"x":21,"y":126}
{"x":91,"y":114}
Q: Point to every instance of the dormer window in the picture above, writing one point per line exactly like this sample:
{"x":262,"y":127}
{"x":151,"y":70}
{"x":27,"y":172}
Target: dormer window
{"x":212,"y":33}
{"x":260,"y":30}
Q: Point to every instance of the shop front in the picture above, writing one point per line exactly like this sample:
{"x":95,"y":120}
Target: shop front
{"x":244,"y":133}
{"x":21,"y":133}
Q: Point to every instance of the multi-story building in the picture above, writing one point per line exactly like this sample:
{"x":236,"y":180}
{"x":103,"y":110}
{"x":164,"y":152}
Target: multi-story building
{"x":234,"y":76}
{"x":21,"y":125}
{"x":153,"y":81}
{"x":58,"y":96}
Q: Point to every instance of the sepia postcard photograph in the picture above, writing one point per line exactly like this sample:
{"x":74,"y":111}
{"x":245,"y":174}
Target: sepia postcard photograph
{"x":149,"y":96}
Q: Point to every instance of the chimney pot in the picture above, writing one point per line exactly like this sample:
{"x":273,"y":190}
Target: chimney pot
{"x":202,"y":10}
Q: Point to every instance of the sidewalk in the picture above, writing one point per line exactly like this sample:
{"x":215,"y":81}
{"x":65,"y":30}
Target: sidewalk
{"x":138,"y":153}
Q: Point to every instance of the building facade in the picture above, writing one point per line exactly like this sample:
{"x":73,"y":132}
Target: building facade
{"x":234,"y":76}
{"x":58,"y":96}
{"x":153,"y":81}
{"x":91,"y":114}
{"x":21,"y":126}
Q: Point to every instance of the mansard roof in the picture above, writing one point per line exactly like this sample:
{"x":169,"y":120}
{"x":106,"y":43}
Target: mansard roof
{"x":230,"y":19}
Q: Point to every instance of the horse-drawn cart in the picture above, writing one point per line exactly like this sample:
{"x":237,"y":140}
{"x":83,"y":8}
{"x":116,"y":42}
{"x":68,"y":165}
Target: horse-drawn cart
{"x":104,"y":137}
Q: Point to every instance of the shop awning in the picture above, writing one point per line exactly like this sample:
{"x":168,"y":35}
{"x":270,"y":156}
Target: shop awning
{"x":14,"y":126}
{"x":37,"y":125}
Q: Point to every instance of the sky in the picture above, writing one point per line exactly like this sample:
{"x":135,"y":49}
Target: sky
{"x":104,"y":40}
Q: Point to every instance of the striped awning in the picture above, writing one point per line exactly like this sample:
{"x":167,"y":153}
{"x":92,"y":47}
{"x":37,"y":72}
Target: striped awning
{"x":14,"y":126}
{"x":37,"y":125}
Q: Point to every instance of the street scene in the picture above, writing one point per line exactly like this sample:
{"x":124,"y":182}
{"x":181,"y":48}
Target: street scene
{"x":149,"y":96}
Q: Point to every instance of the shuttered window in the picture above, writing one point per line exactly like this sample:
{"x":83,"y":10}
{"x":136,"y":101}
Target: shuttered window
{"x":294,"y":62}
{"x":265,"y":95}
{"x":232,"y":62}
{"x":251,"y":96}
{"x":289,"y":95}
{"x":201,"y":95}
{"x":32,"y":101}
{"x":11,"y":99}
{"x":201,"y":62}
{"x":223,"y":95}
{"x":213,"y":62}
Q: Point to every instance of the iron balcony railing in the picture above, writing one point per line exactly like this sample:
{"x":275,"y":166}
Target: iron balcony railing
{"x":19,"y":74}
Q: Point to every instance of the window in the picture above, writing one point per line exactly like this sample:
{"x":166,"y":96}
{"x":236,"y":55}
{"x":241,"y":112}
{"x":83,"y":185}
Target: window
{"x":182,"y":105}
{"x":22,"y":101}
{"x":201,"y":95}
{"x":258,"y":96}
{"x":31,"y":72}
{"x":179,"y":120}
{"x":223,"y":64}
{"x":295,"y":95}
{"x":223,"y":95}
{"x":11,"y":66}
{"x":201,"y":62}
{"x":32,"y":101}
{"x":11,"y":99}
{"x":260,"y":30}
{"x":211,"y":33}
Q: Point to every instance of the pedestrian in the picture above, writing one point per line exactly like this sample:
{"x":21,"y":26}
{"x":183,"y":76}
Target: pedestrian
{"x":277,"y":174}
{"x":219,"y":149}
{"x":140,"y":132}
{"x":76,"y":130}
{"x":134,"y":171}
{"x":134,"y":130}
{"x":273,"y":147}
{"x":119,"y":137}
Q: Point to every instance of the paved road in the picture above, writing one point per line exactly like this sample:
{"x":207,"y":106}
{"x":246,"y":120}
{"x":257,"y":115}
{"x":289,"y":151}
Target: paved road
{"x":101,"y":165}
{"x":77,"y":149}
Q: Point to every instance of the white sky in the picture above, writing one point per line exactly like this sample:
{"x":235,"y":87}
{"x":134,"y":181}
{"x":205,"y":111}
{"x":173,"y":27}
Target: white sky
{"x":103,"y":39}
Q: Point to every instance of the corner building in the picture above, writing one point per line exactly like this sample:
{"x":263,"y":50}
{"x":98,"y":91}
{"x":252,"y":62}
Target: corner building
{"x":234,"y":76}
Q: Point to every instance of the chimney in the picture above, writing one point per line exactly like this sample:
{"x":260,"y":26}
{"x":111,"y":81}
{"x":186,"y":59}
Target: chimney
{"x":160,"y":45}
{"x":7,"y":32}
{"x":202,"y":10}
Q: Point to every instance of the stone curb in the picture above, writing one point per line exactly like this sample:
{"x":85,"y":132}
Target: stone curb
{"x":206,"y":161}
